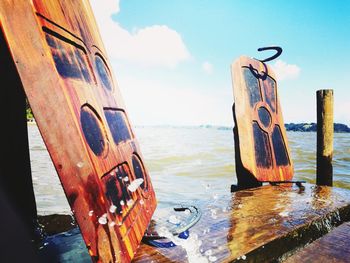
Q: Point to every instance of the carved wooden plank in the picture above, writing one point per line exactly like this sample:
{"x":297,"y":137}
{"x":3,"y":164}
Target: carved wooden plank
{"x":67,"y":78}
{"x":263,"y":145}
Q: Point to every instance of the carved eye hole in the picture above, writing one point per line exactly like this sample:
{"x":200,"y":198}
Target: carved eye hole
{"x":118,"y":125}
{"x":93,"y":131}
{"x":264,"y":117}
{"x":103,"y":72}
{"x":139,"y":171}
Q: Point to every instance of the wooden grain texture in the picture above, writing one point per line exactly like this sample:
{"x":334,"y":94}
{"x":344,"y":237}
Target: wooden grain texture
{"x":258,"y":224}
{"x":67,"y":78}
{"x":325,"y":130}
{"x":333,"y":247}
{"x":262,"y":140}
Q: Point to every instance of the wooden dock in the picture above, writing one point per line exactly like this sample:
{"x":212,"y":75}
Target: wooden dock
{"x":333,"y":247}
{"x":263,"y":224}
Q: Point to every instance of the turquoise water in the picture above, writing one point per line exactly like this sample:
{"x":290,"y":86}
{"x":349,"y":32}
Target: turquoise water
{"x":188,"y":164}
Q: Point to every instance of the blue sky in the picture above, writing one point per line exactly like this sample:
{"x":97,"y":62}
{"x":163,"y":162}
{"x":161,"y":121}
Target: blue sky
{"x":172,"y":58}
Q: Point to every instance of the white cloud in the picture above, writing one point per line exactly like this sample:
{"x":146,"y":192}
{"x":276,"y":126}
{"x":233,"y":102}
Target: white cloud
{"x":207,"y":67}
{"x":156,"y":45}
{"x":285,"y":71}
{"x":177,"y":104}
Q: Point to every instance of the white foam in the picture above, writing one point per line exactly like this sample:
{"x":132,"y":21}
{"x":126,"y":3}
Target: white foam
{"x":103,"y":219}
{"x":112,"y":208}
{"x":132,"y":187}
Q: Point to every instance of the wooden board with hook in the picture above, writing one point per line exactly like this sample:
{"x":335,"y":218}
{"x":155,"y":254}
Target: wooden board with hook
{"x":262,"y":145}
{"x":66,"y":75}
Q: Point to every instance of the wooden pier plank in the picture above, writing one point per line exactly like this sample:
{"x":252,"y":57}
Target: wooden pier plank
{"x":260,"y":224}
{"x":333,"y":247}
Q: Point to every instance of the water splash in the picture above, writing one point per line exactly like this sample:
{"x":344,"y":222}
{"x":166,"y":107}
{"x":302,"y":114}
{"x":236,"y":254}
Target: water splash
{"x":212,"y":258}
{"x":135,"y":184}
{"x":284,"y":214}
{"x":112,"y":208}
{"x":191,"y":245}
{"x":80,"y":164}
{"x":174,"y":220}
{"x":130,"y":202}
{"x":103,"y":219}
{"x":213,"y":214}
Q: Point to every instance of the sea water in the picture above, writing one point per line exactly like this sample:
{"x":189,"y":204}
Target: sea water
{"x":188,"y":164}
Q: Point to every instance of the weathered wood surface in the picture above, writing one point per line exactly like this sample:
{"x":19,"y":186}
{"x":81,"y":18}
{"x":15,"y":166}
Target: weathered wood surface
{"x":67,"y":78}
{"x":260,"y":132}
{"x":325,"y":130}
{"x":333,"y":247}
{"x":259,"y":224}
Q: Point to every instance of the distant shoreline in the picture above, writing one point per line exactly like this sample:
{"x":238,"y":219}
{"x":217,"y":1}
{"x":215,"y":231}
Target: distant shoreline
{"x":312,"y":127}
{"x":295,"y":127}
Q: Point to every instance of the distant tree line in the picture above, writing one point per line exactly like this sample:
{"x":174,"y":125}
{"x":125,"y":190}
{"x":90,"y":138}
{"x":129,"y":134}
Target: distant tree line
{"x":312,"y":127}
{"x":30,"y":116}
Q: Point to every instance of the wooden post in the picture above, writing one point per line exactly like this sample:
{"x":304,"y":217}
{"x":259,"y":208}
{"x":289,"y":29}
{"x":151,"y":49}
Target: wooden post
{"x":325,"y":129}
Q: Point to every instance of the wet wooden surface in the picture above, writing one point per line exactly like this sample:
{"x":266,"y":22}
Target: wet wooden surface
{"x":259,"y":224}
{"x":255,"y":225}
{"x":333,"y":247}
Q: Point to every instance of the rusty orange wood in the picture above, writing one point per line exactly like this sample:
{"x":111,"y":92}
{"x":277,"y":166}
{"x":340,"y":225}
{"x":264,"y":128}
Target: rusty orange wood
{"x":263,"y":143}
{"x":67,"y":78}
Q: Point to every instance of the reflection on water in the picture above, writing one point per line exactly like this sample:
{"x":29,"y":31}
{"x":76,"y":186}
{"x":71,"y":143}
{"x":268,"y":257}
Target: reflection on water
{"x":187,"y":165}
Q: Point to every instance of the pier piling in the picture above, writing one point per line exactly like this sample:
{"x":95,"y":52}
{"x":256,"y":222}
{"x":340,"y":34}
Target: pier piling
{"x":325,"y":130}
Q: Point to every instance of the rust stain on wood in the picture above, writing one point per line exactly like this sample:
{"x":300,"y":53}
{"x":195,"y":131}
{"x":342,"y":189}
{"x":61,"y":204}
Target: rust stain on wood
{"x":68,"y":80}
{"x":263,"y":145}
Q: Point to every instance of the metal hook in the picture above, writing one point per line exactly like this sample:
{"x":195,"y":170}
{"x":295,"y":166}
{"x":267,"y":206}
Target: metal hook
{"x":278,"y":53}
{"x":264,"y":75}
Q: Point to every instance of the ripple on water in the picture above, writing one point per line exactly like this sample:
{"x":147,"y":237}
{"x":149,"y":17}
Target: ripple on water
{"x":182,"y":161}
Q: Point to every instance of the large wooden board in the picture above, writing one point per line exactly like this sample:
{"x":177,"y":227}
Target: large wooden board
{"x":263,"y":145}
{"x":67,"y":78}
